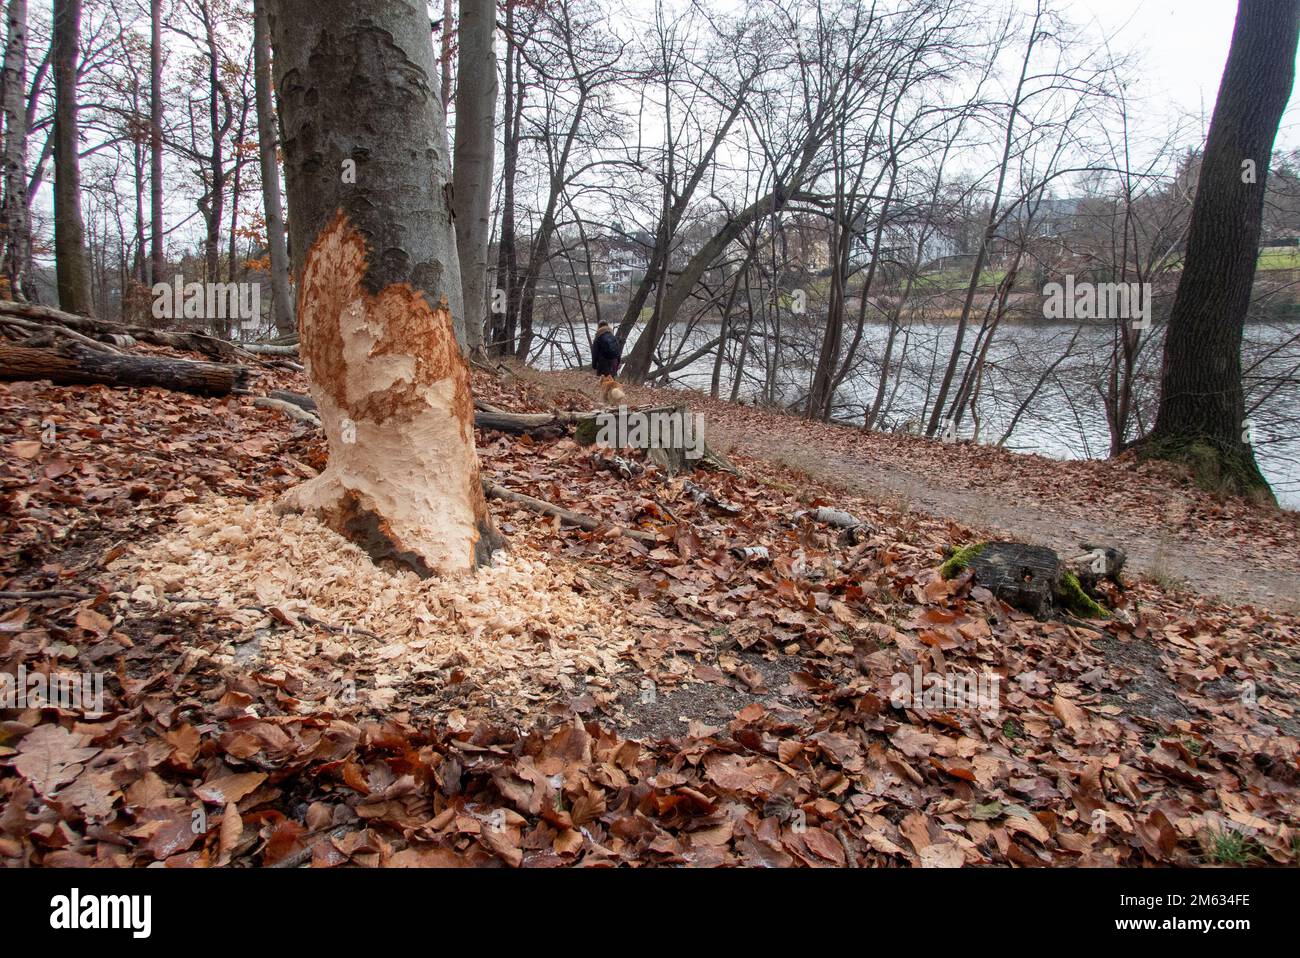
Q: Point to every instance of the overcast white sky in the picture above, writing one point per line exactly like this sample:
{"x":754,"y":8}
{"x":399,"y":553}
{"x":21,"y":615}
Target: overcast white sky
{"x":1186,"y":46}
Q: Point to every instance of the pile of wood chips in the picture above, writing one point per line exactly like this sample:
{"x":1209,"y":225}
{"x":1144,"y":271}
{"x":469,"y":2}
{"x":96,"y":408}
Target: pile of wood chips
{"x":303,"y":602}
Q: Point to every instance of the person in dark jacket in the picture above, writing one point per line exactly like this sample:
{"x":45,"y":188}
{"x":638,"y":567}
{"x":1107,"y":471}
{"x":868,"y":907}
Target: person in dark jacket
{"x":606,"y":351}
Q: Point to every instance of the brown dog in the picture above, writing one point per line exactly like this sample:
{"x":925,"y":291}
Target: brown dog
{"x":611,"y":392}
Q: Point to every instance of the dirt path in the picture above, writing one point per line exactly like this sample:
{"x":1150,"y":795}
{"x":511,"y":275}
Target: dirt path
{"x":1206,"y":567}
{"x":1174,"y":533}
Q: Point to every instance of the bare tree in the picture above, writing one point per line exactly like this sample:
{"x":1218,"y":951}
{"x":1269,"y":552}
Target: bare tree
{"x":1202,"y":408}
{"x":476,"y":98}
{"x":69,"y":229}
{"x":157,"y":262}
{"x":13,"y":214}
{"x":267,"y":141}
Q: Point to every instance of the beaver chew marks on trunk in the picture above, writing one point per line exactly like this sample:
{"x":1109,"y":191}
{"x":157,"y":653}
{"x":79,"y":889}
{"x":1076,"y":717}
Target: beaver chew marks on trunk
{"x":394,"y":399}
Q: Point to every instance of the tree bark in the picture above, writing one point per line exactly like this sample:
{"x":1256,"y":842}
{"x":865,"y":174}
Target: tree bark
{"x":501,"y":321}
{"x":1202,"y":406}
{"x":75,"y":364}
{"x":73,"y":270}
{"x":377,"y":264}
{"x":444,"y":61}
{"x":281,"y":293}
{"x":13,"y":213}
{"x":212,"y":205}
{"x":156,"y":261}
{"x":476,"y":100}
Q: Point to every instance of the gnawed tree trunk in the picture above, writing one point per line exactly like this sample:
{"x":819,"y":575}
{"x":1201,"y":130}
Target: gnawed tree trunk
{"x":1202,"y":407}
{"x":377,"y":265}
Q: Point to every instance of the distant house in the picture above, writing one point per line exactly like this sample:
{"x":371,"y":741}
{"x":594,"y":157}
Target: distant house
{"x":617,"y":262}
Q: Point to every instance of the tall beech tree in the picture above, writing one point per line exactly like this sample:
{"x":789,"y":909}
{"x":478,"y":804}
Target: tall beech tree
{"x":281,"y":294}
{"x":1201,"y":415}
{"x":373,"y":246}
{"x":72,"y":265}
{"x":157,"y":261}
{"x":17,"y":236}
{"x":476,"y":99}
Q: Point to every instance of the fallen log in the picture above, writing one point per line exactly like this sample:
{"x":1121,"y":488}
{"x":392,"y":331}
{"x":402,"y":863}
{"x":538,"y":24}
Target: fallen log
{"x":297,"y":399}
{"x":43,"y":331}
{"x":123,"y":334}
{"x":485,"y":416}
{"x":706,"y":498}
{"x":567,"y":516}
{"x":831,"y":517}
{"x":72,"y":364}
{"x":551,"y":424}
{"x":292,"y":410}
{"x":268,"y":349}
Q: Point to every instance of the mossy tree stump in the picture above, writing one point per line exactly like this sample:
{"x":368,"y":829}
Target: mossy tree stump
{"x":1030,"y":578}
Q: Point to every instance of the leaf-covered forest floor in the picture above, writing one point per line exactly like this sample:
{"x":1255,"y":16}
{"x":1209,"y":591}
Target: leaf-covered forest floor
{"x":1172,"y":531}
{"x":274,"y":699}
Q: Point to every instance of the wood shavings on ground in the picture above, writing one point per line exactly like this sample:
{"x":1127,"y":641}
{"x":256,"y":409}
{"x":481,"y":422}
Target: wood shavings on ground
{"x":306,"y":604}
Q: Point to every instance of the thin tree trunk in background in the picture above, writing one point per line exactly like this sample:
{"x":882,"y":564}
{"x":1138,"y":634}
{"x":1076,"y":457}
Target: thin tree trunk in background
{"x":72,"y":267}
{"x":156,"y":263}
{"x":282,"y":305}
{"x":677,"y":289}
{"x":873,"y":411}
{"x":986,"y":237}
{"x":821,"y":393}
{"x":217,"y":129}
{"x":445,"y":59}
{"x":476,"y":100}
{"x":724,"y":333}
{"x":501,"y":322}
{"x":749,"y":329}
{"x":236,"y":193}
{"x":539,"y":249}
{"x":1202,"y":405}
{"x":140,"y":259}
{"x":37,"y":174}
{"x":13,"y":214}
{"x":377,"y":264}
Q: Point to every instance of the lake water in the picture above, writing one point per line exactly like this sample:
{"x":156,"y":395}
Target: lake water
{"x":1065,"y":420}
